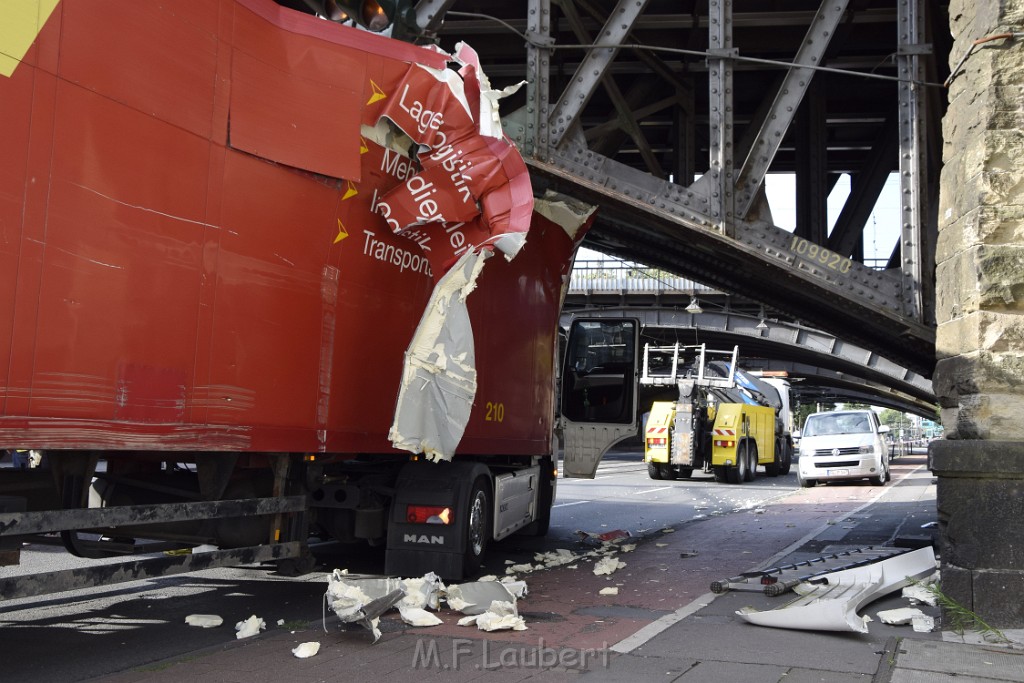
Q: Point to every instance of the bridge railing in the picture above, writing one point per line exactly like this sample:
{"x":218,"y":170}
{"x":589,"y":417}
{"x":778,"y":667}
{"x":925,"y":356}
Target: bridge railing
{"x":595,"y":275}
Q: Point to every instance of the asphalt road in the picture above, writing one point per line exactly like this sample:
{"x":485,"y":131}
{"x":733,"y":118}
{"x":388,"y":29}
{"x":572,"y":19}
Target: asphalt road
{"x":84,"y":634}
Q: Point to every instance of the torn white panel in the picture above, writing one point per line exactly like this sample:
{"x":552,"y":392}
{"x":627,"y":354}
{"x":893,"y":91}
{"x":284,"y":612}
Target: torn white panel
{"x":610,"y":590}
{"x":920,"y":592}
{"x":417,"y":616}
{"x":473,"y":598}
{"x":250,"y":627}
{"x":608,"y":565}
{"x":898,"y":617}
{"x":832,"y":601}
{"x":362,"y":600}
{"x":439,"y":378}
{"x":305,"y":650}
{"x":525,"y":568}
{"x":204,"y":620}
{"x":516,"y":588}
{"x":500,"y":616}
{"x":565,"y":211}
{"x":422,"y":592}
{"x":923,"y":623}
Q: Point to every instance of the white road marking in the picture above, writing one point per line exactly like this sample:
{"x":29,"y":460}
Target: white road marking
{"x":565,"y":505}
{"x":663,"y":488}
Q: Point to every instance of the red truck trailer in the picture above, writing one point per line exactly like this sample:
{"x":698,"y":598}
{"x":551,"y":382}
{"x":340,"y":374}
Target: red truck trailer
{"x":265,"y":277}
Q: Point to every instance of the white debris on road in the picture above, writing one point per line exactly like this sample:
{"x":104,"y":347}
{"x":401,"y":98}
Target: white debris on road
{"x":474,"y":597}
{"x":920,"y":592}
{"x":304,"y":650}
{"x":610,"y":590}
{"x":250,"y":627}
{"x":555,"y":558}
{"x":204,"y":620}
{"x":608,"y":565}
{"x":417,"y":616}
{"x":902,"y":615}
{"x":500,"y":616}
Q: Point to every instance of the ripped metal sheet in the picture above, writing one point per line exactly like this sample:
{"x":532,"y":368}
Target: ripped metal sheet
{"x":831,"y":602}
{"x":499,"y":616}
{"x":439,"y":378}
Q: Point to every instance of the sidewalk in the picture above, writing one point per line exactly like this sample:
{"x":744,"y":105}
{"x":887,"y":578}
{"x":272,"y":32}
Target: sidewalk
{"x":701,"y":642}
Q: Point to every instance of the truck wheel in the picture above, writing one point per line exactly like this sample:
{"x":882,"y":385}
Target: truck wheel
{"x":685,"y":472}
{"x":751,"y":461}
{"x":738,"y":473}
{"x":787,"y":457}
{"x":667,"y":471}
{"x":477,"y":526}
{"x":721,"y":474}
{"x":653,"y":470}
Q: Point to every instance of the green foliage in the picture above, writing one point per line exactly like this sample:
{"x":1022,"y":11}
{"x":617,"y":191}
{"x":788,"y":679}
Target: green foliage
{"x":961,"y":618}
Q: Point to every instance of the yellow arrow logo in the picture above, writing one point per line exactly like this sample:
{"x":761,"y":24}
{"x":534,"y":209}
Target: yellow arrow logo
{"x":20,"y":24}
{"x":377,"y":95}
{"x":363,"y":148}
{"x":342,"y":232}
{"x":350,"y":190}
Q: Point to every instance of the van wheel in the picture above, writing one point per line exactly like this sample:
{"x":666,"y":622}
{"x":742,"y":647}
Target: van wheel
{"x":805,"y":483}
{"x":477,"y":526}
{"x":653,"y":470}
{"x":880,"y":479}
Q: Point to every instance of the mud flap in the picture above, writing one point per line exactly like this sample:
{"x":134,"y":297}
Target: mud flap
{"x":413,"y":549}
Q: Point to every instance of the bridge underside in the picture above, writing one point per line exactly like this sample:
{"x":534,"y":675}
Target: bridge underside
{"x":669,"y":114}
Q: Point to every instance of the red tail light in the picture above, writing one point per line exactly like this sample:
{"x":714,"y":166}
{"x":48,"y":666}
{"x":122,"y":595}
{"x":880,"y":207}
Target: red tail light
{"x":428,"y":514}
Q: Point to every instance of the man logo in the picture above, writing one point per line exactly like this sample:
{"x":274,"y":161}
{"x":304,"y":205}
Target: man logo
{"x":423,"y":538}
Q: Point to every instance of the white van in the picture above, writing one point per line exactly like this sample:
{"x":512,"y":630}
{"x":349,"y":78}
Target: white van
{"x":843,"y":444}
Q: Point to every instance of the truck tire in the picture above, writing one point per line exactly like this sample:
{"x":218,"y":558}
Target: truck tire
{"x":737,"y":474}
{"x":667,"y":471}
{"x":478,"y":526}
{"x":685,"y":472}
{"x":721,"y":474}
{"x":787,"y":457}
{"x":751,"y":461}
{"x":653,"y":470}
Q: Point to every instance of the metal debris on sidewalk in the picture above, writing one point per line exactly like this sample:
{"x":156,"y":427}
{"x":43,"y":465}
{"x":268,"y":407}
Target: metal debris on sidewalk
{"x":778,"y":580}
{"x":500,"y":616}
{"x":830,"y":602}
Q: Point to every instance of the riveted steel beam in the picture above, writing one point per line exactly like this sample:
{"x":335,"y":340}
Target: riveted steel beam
{"x":593,"y":67}
{"x":787,"y":102}
{"x":536,"y":134}
{"x":911,"y":140}
{"x":720,"y":114}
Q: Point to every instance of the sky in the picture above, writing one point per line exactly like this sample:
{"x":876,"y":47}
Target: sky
{"x":882,"y":227}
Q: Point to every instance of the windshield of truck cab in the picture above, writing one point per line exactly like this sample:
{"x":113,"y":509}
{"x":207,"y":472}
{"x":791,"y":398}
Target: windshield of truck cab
{"x":837,"y":423}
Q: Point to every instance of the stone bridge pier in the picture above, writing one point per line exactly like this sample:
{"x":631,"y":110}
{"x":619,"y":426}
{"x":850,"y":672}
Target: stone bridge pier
{"x":979,"y":373}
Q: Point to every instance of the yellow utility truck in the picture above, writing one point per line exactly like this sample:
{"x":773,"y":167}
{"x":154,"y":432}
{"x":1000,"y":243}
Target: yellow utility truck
{"x":725,"y":421}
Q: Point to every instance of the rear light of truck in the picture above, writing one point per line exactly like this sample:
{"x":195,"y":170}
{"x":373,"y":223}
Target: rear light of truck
{"x":724,"y":443}
{"x":657,"y":443}
{"x":428,"y":514}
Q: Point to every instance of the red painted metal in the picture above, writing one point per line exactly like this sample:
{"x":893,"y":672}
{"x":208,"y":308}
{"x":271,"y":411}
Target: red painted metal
{"x":189,"y":253}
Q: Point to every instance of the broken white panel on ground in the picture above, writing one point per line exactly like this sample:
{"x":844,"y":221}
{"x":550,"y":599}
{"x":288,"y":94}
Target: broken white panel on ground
{"x":362,"y":600}
{"x":500,"y":616}
{"x":305,"y":650}
{"x":831,"y":602}
{"x":423,"y":592}
{"x":920,"y":592}
{"x":608,"y":565}
{"x":610,"y":590}
{"x":204,"y":620}
{"x":555,"y":558}
{"x":475,"y":597}
{"x":417,"y":616}
{"x":250,"y":627}
{"x":900,"y":616}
